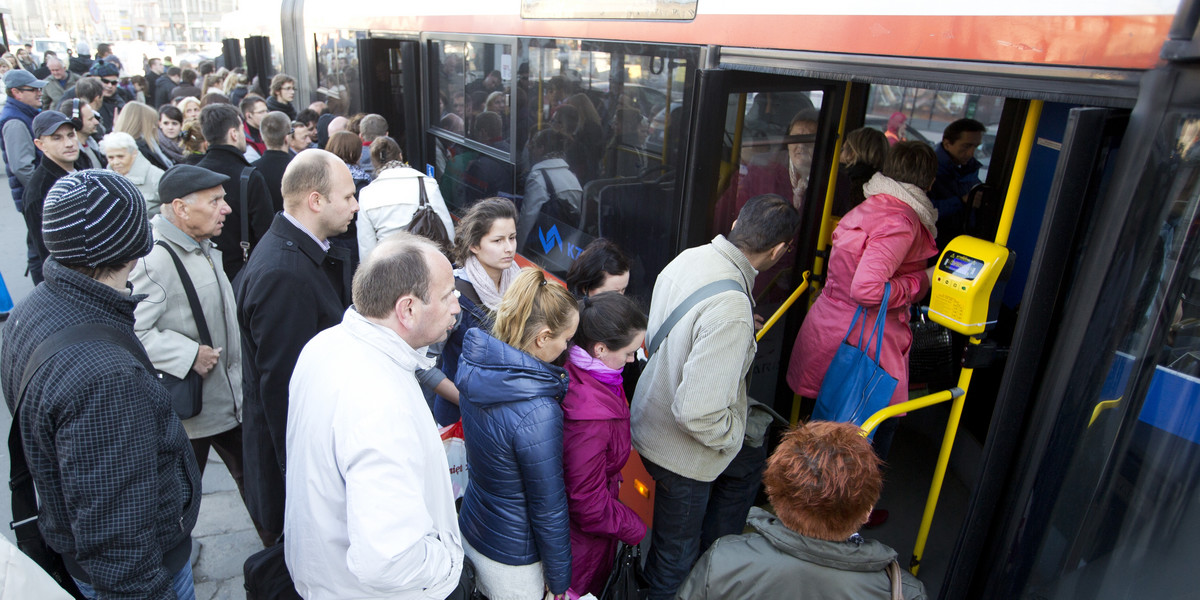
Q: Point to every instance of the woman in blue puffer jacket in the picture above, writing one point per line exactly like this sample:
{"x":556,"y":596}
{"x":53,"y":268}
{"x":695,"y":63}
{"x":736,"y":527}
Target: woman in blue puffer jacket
{"x":514,"y":516}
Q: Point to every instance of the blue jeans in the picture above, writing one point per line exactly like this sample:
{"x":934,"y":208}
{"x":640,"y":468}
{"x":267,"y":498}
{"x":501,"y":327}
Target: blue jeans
{"x":690,"y":515}
{"x":184,"y":586}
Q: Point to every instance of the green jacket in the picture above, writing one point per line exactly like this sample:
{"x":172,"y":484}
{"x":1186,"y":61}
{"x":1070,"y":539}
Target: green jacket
{"x":776,"y":562}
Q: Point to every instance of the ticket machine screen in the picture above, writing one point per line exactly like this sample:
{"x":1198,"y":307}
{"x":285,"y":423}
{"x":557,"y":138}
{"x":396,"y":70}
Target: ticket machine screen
{"x":960,"y":265}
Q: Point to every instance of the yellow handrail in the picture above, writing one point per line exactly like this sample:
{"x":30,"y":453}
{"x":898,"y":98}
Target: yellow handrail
{"x":827,"y":212}
{"x":911,"y":405}
{"x":783,"y":308}
{"x":1028,"y":136}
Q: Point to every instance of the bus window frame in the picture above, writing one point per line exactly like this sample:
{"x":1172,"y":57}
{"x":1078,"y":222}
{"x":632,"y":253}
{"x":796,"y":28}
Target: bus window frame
{"x":429,"y":98}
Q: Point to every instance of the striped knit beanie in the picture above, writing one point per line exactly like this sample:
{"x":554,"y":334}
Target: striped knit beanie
{"x":95,"y":217}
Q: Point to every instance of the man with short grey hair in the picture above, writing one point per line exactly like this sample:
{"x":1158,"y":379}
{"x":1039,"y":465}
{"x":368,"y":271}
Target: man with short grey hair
{"x":57,"y":84}
{"x":294,"y":286}
{"x":371,"y":515}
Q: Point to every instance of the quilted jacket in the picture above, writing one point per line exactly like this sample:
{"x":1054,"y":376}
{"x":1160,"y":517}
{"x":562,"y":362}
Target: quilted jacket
{"x":515,"y":510}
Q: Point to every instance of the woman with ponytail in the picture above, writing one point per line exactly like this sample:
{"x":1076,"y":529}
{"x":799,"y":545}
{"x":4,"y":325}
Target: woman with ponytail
{"x":514,"y":516}
{"x":485,"y":248}
{"x":596,"y":436}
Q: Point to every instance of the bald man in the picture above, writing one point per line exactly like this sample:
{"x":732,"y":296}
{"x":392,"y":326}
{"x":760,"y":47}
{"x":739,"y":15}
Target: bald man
{"x":294,"y":286}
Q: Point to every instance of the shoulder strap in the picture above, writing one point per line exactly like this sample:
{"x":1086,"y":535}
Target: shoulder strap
{"x":698,"y":296}
{"x":245,"y":216}
{"x":421,"y":187}
{"x":193,"y":298}
{"x":24,"y":497}
{"x":893,"y":571}
{"x":550,"y":193}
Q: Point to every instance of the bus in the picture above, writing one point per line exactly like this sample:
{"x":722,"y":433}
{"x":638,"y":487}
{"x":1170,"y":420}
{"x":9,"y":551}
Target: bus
{"x":1079,"y":448}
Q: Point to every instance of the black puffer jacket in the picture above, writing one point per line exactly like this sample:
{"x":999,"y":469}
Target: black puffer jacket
{"x":776,"y":562}
{"x":115,"y":474}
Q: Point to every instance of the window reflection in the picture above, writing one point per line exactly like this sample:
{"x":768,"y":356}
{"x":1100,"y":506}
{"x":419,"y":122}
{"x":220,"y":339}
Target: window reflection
{"x":591,"y":132}
{"x":338,"y":71}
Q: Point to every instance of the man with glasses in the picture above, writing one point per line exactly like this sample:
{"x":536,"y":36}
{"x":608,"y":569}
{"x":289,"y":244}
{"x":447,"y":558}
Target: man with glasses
{"x":21,"y":157}
{"x":111,"y":102}
{"x":254,"y":108}
{"x":283,"y":91}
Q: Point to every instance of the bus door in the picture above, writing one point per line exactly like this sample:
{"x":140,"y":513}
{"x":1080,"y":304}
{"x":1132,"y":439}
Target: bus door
{"x":390,"y":80}
{"x":763,"y":134}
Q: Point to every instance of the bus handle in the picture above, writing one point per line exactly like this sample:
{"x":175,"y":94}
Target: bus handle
{"x":784,"y":308}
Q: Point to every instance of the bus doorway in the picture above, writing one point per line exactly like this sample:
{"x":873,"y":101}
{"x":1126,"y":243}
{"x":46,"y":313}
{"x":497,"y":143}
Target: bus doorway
{"x":750,"y":132}
{"x":390,"y":76}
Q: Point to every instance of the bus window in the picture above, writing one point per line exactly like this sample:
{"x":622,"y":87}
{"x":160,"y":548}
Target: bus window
{"x":487,"y":86}
{"x":921,"y":115}
{"x":337,"y":71}
{"x":769,"y":146}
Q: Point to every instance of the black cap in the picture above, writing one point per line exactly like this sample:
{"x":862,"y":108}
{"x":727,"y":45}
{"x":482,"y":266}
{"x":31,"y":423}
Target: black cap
{"x":48,"y":121}
{"x":181,"y":180}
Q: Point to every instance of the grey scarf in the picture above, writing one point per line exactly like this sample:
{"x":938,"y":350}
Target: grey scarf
{"x":907,"y":193}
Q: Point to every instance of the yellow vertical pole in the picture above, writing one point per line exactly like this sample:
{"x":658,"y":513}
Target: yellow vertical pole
{"x":827,"y":212}
{"x":1020,"y":166}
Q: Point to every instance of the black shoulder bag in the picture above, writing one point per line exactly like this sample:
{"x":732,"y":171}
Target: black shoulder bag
{"x":187,"y":394}
{"x":244,"y":188}
{"x":425,"y":221}
{"x":20,"y":481}
{"x":557,"y":208}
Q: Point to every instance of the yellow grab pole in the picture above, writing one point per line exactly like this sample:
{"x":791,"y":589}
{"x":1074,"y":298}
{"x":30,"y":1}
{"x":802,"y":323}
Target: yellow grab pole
{"x":943,"y":460}
{"x":827,"y":212}
{"x":911,"y":405}
{"x":1028,"y":136}
{"x":783,"y":308}
{"x":736,"y":155}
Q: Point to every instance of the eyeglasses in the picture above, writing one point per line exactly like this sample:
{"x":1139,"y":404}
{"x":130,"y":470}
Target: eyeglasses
{"x":109,"y":81}
{"x":791,"y":245}
{"x":28,"y":89}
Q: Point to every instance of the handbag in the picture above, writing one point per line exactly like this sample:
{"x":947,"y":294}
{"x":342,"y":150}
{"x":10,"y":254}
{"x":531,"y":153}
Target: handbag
{"x":265,"y":575}
{"x":20,"y":481}
{"x":893,"y":572}
{"x":626,"y":582}
{"x":855,"y":385}
{"x":931,"y":357}
{"x":187,"y":394}
{"x":426,"y":223}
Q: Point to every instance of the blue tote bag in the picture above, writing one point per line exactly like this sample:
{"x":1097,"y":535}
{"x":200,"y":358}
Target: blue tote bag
{"x":856,"y":386}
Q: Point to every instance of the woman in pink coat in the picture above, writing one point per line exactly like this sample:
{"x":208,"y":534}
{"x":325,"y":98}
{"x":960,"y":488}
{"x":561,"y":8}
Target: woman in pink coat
{"x":596,"y":436}
{"x":888,"y":238}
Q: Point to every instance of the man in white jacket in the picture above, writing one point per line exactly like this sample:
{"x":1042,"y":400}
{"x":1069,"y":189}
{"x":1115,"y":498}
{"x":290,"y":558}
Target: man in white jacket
{"x":370,"y":509}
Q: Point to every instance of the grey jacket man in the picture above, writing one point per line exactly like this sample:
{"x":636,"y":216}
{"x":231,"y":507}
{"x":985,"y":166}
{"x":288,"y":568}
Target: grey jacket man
{"x":166,"y":327}
{"x":55,"y":89}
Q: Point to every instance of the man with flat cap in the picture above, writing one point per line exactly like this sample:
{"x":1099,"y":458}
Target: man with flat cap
{"x":56,"y":137}
{"x":116,"y":480}
{"x":193,"y":212}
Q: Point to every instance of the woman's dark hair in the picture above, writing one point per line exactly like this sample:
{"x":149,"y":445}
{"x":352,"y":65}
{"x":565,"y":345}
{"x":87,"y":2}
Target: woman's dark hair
{"x":171,"y":112}
{"x":346,"y":146}
{"x":911,"y":162}
{"x":600,"y":259}
{"x":214,"y":98}
{"x":478,"y":222}
{"x":384,"y":150}
{"x":611,"y":319}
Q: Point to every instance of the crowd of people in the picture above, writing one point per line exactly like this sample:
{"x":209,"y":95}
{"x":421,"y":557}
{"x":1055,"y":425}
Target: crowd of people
{"x":260,"y":257}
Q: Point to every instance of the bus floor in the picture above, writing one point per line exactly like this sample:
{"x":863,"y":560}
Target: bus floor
{"x":907,"y":477}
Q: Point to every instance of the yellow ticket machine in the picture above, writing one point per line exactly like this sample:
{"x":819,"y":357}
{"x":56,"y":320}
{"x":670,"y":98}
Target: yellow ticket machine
{"x":968,"y":283}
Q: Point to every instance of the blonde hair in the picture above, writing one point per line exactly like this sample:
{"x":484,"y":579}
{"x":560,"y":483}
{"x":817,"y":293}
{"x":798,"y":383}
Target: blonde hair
{"x":139,"y":121}
{"x":532,"y":303}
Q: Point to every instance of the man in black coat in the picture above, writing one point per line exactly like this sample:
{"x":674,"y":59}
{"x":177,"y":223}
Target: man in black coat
{"x":154,"y":70}
{"x":221,"y":125}
{"x":275,"y":128}
{"x":294,"y":286}
{"x":165,"y":84}
{"x":55,"y":135}
{"x":111,"y":102}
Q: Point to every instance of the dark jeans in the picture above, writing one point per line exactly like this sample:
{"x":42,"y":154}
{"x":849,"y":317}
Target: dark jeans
{"x":690,"y":515}
{"x":881,"y":442}
{"x":228,"y":445}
